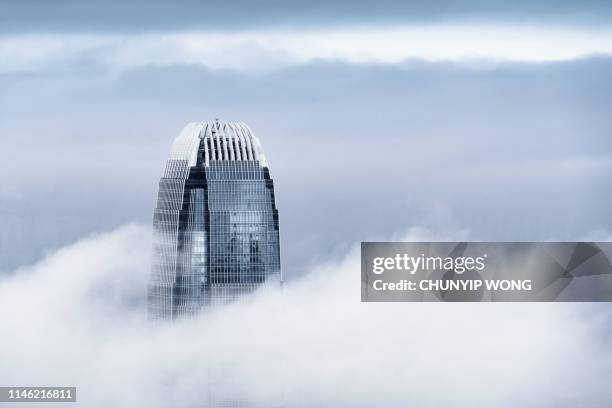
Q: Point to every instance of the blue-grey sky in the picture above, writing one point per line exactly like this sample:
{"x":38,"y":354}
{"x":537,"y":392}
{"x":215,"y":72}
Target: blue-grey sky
{"x":510,"y":152}
{"x":141,"y":15}
{"x":492,"y":117}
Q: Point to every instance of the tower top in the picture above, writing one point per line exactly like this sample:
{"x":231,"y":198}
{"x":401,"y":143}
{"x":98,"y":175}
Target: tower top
{"x":217,"y":141}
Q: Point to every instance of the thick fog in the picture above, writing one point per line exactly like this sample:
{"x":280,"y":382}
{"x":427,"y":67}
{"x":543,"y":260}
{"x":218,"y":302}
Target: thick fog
{"x":77,"y":318}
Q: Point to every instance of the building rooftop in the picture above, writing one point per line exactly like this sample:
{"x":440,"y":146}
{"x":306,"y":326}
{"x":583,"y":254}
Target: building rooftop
{"x":201,"y":142}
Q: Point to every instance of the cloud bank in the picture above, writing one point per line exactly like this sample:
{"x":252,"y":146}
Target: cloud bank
{"x":277,"y":48}
{"x":76,"y":318}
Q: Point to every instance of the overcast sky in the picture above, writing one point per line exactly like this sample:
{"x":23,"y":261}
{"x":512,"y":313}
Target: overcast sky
{"x":487,"y":116}
{"x":142,"y":15}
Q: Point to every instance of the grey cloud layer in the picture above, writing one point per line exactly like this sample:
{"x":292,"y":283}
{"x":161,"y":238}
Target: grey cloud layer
{"x":140,"y":15}
{"x":80,"y":322}
{"x":510,"y":151}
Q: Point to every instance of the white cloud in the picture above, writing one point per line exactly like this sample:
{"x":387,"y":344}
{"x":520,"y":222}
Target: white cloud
{"x":267,"y":49}
{"x":72,"y":320}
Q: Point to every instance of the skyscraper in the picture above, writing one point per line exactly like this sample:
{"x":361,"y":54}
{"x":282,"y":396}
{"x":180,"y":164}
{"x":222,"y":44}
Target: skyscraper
{"x":215,"y":227}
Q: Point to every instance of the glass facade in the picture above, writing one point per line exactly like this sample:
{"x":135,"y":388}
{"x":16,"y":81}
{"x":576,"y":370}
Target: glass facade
{"x":216,"y":232}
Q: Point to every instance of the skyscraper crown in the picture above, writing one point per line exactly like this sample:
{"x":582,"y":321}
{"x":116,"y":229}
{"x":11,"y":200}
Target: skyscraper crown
{"x":202,"y":142}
